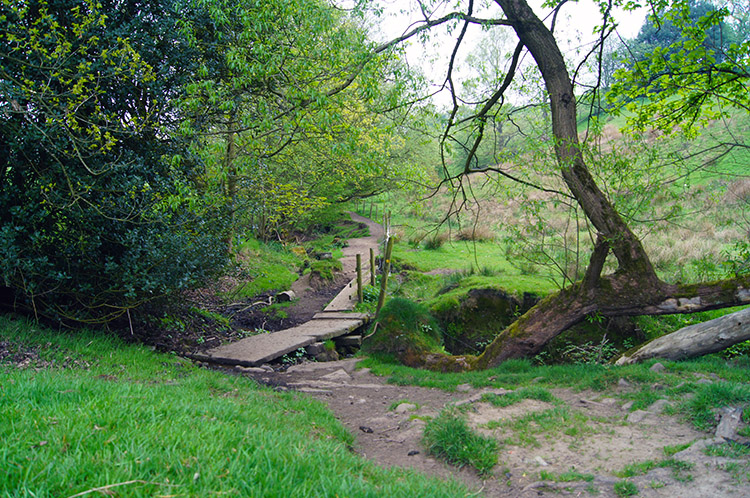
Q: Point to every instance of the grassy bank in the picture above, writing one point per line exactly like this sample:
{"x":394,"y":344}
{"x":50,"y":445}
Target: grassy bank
{"x":80,"y":412}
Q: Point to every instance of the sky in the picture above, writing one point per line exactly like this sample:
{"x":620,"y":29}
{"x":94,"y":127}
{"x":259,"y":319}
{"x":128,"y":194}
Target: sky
{"x":574,"y":32}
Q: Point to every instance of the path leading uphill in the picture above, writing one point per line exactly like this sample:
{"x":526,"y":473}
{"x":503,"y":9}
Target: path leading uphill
{"x":330,"y":322}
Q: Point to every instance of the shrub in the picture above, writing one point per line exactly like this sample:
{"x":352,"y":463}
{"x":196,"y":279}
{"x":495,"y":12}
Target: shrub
{"x":435,"y":241}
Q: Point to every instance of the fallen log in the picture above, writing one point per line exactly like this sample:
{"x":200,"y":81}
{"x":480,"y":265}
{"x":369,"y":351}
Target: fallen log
{"x":694,"y":340}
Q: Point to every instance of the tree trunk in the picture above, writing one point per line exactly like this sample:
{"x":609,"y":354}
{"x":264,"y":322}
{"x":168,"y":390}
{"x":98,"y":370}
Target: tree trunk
{"x":695,"y":340}
{"x":634,"y":289}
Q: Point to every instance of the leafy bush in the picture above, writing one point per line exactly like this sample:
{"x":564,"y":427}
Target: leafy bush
{"x":93,"y":212}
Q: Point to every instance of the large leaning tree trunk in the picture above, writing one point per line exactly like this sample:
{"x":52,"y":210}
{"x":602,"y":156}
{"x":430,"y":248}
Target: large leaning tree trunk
{"x":634,"y":288}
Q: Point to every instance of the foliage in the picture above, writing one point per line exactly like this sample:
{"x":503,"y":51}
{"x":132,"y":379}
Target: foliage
{"x":284,"y":129}
{"x":694,"y":69}
{"x":90,"y":222}
{"x":449,"y":437}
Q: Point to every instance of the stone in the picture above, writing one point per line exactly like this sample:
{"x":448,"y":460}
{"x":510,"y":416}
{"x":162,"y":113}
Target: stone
{"x":349,"y":341}
{"x":659,"y":405}
{"x":623,"y":383}
{"x":365,"y":429}
{"x":636,"y":416}
{"x":315,"y":348}
{"x":463,"y":388}
{"x":339,"y":375}
{"x":327,"y":355}
{"x":405,"y":407}
{"x":540,"y":461}
{"x":242,"y":369}
{"x":286,"y":296}
{"x":627,"y":406}
{"x":657,"y":367}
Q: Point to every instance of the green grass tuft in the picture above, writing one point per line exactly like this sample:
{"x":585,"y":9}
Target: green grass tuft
{"x":449,"y":437}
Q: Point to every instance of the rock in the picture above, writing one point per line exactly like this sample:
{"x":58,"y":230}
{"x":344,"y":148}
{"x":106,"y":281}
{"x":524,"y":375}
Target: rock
{"x":623,"y":383}
{"x":361,"y":372}
{"x":242,"y":369}
{"x":339,"y":375}
{"x":657,"y":367}
{"x":267,"y":368}
{"x":540,"y":461}
{"x":349,"y":341}
{"x":659,"y":405}
{"x":636,"y":416}
{"x":286,"y":296}
{"x":464,"y":388}
{"x":704,"y":381}
{"x":608,"y":401}
{"x":413,"y":452}
{"x":365,"y":429}
{"x":405,"y":407}
{"x":324,"y":255}
{"x":315,"y":348}
{"x":327,"y":355}
{"x":730,"y":420}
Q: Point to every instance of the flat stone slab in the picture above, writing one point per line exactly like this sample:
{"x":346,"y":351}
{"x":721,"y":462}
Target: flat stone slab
{"x":262,"y":348}
{"x":336,"y":315}
{"x":344,"y":300}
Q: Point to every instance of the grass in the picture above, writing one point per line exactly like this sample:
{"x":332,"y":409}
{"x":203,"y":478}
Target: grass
{"x":680,"y":469}
{"x":569,"y":476}
{"x":523,"y":430}
{"x":513,"y":397}
{"x":108,"y":414}
{"x":625,"y":488}
{"x":730,"y":449}
{"x":449,"y":437}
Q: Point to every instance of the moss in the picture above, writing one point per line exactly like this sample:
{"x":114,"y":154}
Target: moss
{"x":405,"y":329}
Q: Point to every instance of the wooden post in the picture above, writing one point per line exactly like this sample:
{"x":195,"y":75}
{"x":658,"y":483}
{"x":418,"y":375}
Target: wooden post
{"x":359,"y":279}
{"x":372,"y":266}
{"x":386,"y":270}
{"x":370,"y":216}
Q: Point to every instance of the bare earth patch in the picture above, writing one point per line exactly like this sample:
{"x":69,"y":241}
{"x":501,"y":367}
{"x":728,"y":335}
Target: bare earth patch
{"x":594,"y":437}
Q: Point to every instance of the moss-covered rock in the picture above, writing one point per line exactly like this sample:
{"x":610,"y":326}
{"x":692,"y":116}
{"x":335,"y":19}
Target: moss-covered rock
{"x":472,"y":321}
{"x":405,"y":329}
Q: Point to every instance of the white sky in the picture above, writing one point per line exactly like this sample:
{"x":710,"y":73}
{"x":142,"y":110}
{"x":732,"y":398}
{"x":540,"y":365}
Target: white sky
{"x":574,"y":32}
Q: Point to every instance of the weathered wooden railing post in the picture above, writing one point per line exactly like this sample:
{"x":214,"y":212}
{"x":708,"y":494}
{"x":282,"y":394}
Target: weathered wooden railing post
{"x":372,"y":267}
{"x":359,"y":278}
{"x":386,"y":271}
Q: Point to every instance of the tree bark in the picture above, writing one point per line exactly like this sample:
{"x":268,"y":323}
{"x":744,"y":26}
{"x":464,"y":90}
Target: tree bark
{"x":695,"y":340}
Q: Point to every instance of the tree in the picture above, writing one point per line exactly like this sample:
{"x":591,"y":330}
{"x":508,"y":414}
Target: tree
{"x":90,"y":222}
{"x":634,"y":287}
{"x":284,"y":128}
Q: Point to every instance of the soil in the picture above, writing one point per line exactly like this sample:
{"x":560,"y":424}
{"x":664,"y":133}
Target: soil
{"x":387,"y":421}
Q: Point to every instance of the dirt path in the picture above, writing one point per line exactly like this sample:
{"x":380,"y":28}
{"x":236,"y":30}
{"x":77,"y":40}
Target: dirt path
{"x":598,"y":439}
{"x":313,"y":298}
